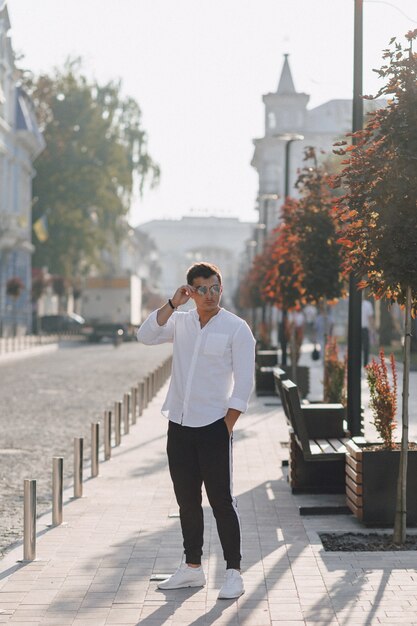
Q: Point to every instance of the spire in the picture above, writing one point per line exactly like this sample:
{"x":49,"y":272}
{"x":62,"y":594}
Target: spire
{"x":286,"y":84}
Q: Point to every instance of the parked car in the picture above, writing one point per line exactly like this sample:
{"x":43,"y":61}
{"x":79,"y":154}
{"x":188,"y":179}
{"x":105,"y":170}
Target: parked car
{"x":70,"y":322}
{"x":117,"y":333}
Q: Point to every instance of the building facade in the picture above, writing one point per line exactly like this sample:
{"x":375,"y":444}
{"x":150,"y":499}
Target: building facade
{"x":289,"y":127}
{"x":180,"y":243}
{"x":20,"y":144}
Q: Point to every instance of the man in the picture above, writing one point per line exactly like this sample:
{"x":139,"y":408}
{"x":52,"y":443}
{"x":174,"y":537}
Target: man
{"x":367,"y":323}
{"x":212,"y":379}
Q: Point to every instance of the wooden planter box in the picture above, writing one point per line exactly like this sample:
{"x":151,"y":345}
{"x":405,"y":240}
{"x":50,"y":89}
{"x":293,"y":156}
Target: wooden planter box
{"x":265,"y":361}
{"x":371,"y":484}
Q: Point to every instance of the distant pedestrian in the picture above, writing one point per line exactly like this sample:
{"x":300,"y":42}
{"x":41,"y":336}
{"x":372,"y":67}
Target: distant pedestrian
{"x":367,"y":324}
{"x":324,"y":324}
{"x":310,"y":314}
{"x":212,"y":379}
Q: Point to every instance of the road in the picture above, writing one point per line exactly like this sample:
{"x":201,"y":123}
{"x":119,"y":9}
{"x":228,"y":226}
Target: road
{"x":48,"y":400}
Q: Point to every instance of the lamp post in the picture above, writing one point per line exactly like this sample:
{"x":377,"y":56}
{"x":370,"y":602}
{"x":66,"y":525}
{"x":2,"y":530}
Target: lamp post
{"x":251,"y":250}
{"x":264,"y":200}
{"x":289,"y":139}
{"x":354,"y":360}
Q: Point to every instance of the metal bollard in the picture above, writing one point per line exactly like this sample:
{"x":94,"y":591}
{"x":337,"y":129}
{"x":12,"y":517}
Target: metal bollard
{"x":134,"y":407}
{"x":107,"y":435}
{"x":78,"y":466}
{"x":126,"y":408}
{"x":117,"y":423}
{"x":29,"y":520}
{"x":146,"y":392}
{"x":151,"y":386}
{"x":141,"y":394}
{"x":95,"y":443}
{"x":57,"y":489}
{"x":144,"y":396}
{"x":147,"y":389}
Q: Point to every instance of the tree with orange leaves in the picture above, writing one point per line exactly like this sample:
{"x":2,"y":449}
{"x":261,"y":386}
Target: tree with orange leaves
{"x":307,"y":258}
{"x":283,"y":280}
{"x":378,"y":213}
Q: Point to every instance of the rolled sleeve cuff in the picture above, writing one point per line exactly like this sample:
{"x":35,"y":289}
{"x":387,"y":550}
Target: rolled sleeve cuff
{"x":238,"y":404}
{"x":150,"y":330}
{"x":153,"y":323}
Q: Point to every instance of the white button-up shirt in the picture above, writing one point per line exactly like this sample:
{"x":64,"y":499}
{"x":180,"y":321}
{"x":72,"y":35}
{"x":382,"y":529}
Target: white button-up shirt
{"x":213,"y":366}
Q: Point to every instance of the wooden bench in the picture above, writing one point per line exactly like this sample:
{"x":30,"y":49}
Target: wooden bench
{"x":317,"y":444}
{"x":322,"y":420}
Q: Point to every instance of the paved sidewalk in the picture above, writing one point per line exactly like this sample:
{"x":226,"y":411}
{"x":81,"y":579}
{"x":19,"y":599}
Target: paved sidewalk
{"x":96,"y":570}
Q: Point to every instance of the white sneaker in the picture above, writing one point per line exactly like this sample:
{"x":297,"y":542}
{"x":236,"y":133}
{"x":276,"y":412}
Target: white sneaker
{"x":232,"y":586}
{"x":185,"y":576}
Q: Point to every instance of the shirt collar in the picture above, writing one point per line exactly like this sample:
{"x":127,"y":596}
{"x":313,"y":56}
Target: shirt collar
{"x":195,"y":315}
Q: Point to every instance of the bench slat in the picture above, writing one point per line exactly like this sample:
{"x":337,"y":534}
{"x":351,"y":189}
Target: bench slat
{"x":314,"y":447}
{"x":338,"y":445}
{"x":326,"y":446}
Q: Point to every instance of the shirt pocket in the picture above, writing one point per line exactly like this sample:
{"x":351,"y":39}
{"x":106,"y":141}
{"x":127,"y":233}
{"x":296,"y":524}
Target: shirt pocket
{"x":216,"y":344}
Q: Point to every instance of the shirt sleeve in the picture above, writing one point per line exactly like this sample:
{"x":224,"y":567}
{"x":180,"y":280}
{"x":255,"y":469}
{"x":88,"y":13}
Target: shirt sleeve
{"x":151,"y":333}
{"x":243,"y":356}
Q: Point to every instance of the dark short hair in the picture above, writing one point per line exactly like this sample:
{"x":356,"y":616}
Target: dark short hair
{"x":203,"y":270}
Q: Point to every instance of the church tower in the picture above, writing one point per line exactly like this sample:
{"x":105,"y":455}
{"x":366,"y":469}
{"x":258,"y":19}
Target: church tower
{"x":285,"y":116}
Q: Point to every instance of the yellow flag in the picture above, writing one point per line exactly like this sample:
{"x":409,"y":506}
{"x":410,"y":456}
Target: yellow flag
{"x":41,"y":228}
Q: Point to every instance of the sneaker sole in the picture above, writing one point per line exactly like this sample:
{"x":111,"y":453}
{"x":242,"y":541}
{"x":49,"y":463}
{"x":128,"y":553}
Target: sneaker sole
{"x":222,"y":597}
{"x":181,"y":586}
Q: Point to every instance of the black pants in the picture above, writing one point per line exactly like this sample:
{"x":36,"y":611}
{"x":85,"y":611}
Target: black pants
{"x":197,"y":456}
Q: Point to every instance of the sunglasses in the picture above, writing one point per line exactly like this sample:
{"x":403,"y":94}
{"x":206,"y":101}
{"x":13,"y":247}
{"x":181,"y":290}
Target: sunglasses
{"x":213,"y":289}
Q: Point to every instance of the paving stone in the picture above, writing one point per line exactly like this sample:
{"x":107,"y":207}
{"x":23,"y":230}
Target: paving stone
{"x":96,"y":570}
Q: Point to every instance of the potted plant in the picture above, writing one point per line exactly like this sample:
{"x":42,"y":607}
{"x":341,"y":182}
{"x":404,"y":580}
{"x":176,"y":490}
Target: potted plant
{"x":334,"y":374}
{"x":14,"y":287}
{"x":372,"y":467}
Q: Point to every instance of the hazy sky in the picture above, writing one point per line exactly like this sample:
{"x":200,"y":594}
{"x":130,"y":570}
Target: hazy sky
{"x":199,"y":68}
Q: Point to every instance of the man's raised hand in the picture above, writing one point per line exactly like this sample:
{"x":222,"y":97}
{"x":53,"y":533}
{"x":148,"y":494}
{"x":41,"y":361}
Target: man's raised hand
{"x":182,"y":295}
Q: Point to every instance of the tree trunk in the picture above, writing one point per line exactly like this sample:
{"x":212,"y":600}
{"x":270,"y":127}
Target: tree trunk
{"x":400,"y":524}
{"x":413,"y":346}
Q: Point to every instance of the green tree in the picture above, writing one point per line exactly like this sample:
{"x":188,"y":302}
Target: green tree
{"x":95,"y":158}
{"x":378,"y":216}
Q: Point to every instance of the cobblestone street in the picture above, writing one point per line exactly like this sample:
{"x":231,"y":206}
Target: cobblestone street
{"x":48,"y":400}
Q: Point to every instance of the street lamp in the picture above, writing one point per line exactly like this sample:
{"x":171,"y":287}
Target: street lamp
{"x":354,"y":356}
{"x":289,"y":139}
{"x":264,"y":200}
